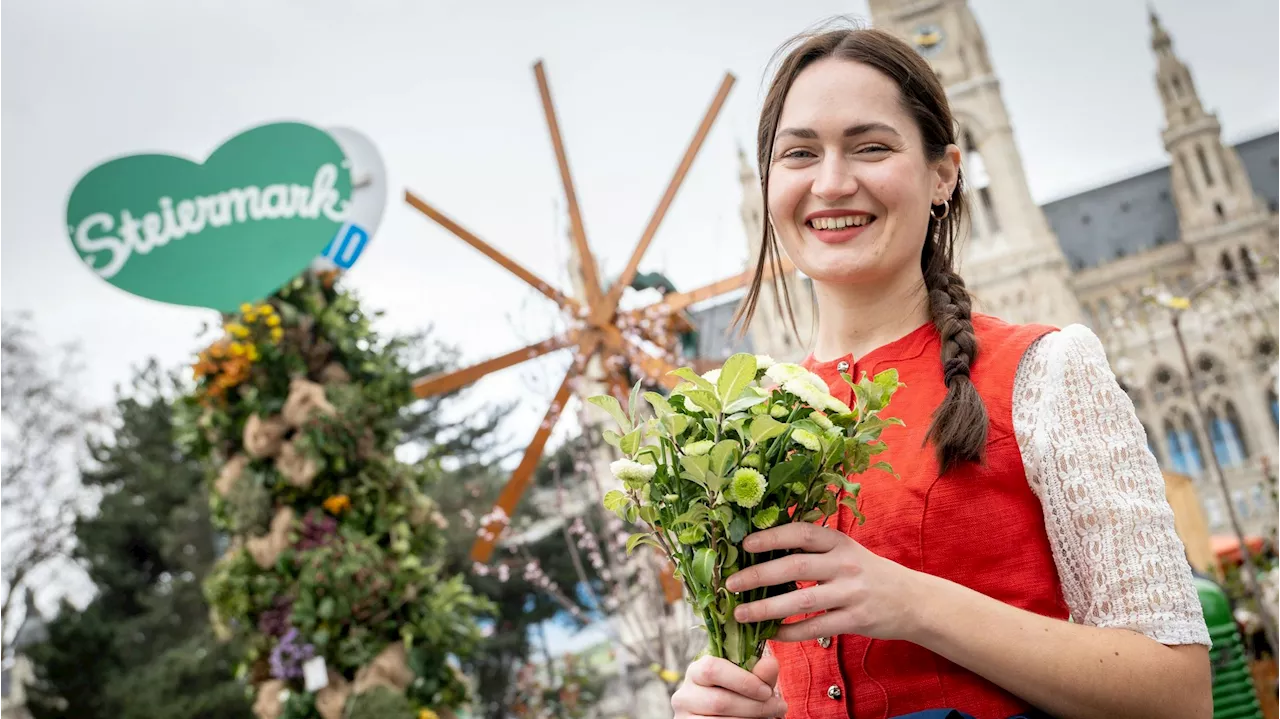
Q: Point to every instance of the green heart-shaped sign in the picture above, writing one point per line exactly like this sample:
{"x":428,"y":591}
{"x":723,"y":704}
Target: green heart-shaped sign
{"x":218,"y":234}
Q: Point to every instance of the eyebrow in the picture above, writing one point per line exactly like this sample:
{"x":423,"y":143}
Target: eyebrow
{"x":807,"y":134}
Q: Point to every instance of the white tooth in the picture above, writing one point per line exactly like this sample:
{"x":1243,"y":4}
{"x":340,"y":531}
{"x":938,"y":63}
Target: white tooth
{"x":839,"y":222}
{"x":846,"y":221}
{"x":823,"y":223}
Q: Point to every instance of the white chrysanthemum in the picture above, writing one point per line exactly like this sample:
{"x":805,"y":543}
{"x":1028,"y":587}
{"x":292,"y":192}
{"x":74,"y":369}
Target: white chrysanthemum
{"x":631,"y":471}
{"x":764,"y":362}
{"x":783,"y":371}
{"x":699,"y":448}
{"x":837,"y":406}
{"x":821,"y":420}
{"x":747,"y":487}
{"x":814,"y":395}
{"x":712,"y":375}
{"x":806,"y":439}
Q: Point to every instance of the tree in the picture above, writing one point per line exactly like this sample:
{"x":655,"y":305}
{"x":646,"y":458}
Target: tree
{"x":44,"y":420}
{"x":143,"y":647}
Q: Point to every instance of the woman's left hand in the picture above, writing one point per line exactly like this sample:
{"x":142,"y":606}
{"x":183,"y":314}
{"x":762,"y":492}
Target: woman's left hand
{"x":859,"y":592}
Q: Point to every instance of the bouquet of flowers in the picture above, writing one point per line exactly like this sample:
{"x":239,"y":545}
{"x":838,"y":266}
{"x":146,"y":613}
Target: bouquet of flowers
{"x":743,"y":448}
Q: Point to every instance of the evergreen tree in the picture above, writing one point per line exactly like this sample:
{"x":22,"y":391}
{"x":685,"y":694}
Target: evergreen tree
{"x":142,"y":648}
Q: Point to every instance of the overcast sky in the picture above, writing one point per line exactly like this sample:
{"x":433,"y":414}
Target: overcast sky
{"x":447,"y":92}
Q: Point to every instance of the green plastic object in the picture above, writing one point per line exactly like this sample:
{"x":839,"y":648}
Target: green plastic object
{"x":1234,"y":696}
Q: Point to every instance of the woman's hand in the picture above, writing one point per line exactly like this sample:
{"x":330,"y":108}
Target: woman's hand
{"x":858,"y":591}
{"x":715,"y":687}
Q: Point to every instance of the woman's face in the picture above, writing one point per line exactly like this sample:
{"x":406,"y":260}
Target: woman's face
{"x":849,"y":185}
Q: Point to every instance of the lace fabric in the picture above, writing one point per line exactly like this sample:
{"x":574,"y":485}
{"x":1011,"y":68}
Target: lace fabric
{"x":1109,"y":523}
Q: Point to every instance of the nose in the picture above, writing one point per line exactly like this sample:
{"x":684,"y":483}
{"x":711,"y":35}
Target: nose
{"x":835,"y":180}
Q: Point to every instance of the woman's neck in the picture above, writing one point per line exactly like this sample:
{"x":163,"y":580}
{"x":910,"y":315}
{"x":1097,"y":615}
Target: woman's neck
{"x":856,"y":319}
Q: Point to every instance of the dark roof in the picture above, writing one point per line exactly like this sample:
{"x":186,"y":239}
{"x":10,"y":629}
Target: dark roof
{"x":713,"y":322}
{"x":1136,"y":214}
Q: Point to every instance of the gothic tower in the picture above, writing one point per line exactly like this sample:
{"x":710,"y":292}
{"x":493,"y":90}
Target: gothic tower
{"x":1012,"y":261}
{"x":1217,"y":208}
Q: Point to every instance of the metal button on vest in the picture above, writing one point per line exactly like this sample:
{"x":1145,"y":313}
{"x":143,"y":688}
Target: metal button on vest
{"x":833,"y":691}
{"x":824,"y":642}
{"x":842,"y":367}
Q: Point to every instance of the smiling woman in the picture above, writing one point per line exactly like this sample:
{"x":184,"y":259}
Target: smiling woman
{"x":1037,"y":501}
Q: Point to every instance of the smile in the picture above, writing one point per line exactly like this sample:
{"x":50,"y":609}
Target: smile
{"x":841,"y":222}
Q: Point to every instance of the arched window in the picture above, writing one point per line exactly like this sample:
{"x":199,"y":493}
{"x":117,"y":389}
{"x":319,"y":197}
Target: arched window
{"x":1274,"y":402}
{"x":1173,"y":443}
{"x":1246,"y":262}
{"x":1228,"y":268}
{"x":1224,"y":431}
{"x":1204,"y":166}
{"x":1190,"y":446}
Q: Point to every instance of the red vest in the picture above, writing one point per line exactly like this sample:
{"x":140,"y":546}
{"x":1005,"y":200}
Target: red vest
{"x":980,"y":526}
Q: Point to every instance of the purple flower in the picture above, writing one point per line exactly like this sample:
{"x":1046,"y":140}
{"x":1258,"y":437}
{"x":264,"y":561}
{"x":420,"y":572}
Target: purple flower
{"x":288,"y":656}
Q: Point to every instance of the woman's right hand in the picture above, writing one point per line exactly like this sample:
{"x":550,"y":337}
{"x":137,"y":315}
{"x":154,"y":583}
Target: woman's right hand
{"x":715,"y":687}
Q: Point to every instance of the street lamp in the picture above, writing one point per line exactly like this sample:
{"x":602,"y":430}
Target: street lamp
{"x":1178,"y":306}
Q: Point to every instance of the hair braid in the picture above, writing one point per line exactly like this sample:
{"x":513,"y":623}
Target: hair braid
{"x":959,"y":427}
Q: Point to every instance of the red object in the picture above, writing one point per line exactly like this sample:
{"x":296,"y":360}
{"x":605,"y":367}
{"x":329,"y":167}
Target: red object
{"x":980,"y":526}
{"x":1226,"y":547}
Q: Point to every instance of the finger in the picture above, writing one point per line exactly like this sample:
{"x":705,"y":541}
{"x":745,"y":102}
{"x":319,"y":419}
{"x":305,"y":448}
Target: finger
{"x":717,"y":672}
{"x":791,"y":568}
{"x":767,"y":669}
{"x":820,"y":626}
{"x":795,"y":535}
{"x":715,"y":702}
{"x":790,"y":604}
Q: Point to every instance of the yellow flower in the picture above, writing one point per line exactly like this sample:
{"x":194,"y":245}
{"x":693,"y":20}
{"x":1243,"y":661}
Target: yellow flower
{"x":276,"y":334}
{"x":266,"y":310}
{"x":246,"y":308}
{"x":237,"y":349}
{"x":273,"y":320}
{"x":427,"y":714}
{"x":337,"y":503}
{"x":235,"y":329}
{"x":669,"y":676}
{"x":251,"y":352}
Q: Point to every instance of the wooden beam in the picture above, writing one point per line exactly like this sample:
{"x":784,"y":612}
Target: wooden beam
{"x":602,"y":313}
{"x":679,"y":300}
{"x":566,"y":303}
{"x":518,"y":484}
{"x":590,"y":275}
{"x":442,"y":382}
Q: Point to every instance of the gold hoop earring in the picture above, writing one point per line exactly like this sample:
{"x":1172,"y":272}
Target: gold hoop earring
{"x":946,"y":210}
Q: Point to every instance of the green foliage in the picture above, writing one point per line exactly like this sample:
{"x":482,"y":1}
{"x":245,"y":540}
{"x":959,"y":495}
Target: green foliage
{"x":380,"y":703}
{"x":354,"y":558}
{"x":142,"y":647}
{"x":728,"y":453}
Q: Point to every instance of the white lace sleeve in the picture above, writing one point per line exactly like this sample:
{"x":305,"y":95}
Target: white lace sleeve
{"x":1109,"y":524}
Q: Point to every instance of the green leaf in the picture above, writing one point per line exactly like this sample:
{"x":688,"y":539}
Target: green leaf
{"x":704,"y":566}
{"x":630,"y":442}
{"x":325,"y":610}
{"x":885,"y":466}
{"x":734,"y":646}
{"x":738,"y":529}
{"x":692,"y":535}
{"x":744,"y":402}
{"x":724,"y":456}
{"x":716,"y":482}
{"x":698,"y":381}
{"x":610,"y":404}
{"x":696,"y":514}
{"x":649,"y":513}
{"x":767,"y":517}
{"x":633,"y":403}
{"x":661,"y":407}
{"x":676,"y":424}
{"x":852,"y":504}
{"x":796,"y":469}
{"x":640,"y":538}
{"x":630,"y":513}
{"x":730,"y":556}
{"x":738,"y":372}
{"x":706,"y":401}
{"x":611,"y":437}
{"x":696,"y":468}
{"x":722,"y":514}
{"x":765,"y":428}
{"x":615,"y":500}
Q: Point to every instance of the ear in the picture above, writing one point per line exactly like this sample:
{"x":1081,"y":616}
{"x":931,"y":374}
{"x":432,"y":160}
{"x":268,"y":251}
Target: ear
{"x":948,"y":171}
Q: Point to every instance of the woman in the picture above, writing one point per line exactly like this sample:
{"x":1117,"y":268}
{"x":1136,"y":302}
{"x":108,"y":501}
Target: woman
{"x":1027,"y":495}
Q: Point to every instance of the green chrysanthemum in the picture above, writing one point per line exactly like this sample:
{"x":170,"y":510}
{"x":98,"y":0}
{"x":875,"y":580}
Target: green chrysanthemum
{"x":767,"y":517}
{"x":699,"y":448}
{"x":778,"y":411}
{"x":821,"y":420}
{"x":752,"y":460}
{"x":631,"y":471}
{"x":806,"y":439}
{"x":747,"y":488}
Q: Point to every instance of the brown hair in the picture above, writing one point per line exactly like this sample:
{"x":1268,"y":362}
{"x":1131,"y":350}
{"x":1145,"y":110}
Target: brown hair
{"x":959,"y":427}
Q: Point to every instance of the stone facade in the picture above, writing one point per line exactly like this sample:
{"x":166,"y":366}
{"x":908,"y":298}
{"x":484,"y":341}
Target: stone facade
{"x":1208,"y":218}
